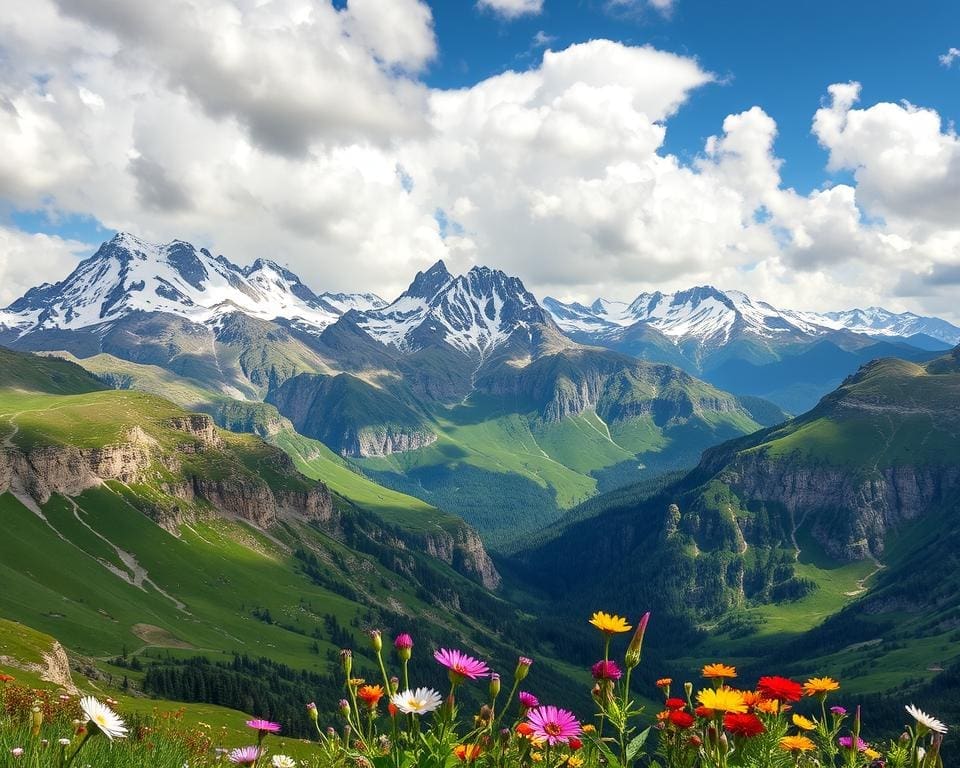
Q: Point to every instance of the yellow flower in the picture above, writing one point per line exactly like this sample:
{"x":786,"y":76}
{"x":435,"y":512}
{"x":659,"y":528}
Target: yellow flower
{"x":767,"y":706}
{"x":609,"y":624}
{"x":574,"y":761}
{"x":820,"y":686}
{"x":719,"y":670}
{"x":537,"y":757}
{"x":871,"y":754}
{"x":796,"y":744}
{"x":722,"y":699}
{"x":804,"y":723}
{"x":589,"y":728}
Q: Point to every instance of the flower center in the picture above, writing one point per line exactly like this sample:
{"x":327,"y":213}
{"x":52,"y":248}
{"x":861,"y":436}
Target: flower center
{"x":552,"y":729}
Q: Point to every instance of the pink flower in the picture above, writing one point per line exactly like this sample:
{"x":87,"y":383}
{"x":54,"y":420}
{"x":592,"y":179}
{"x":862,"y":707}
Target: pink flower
{"x":528,"y":700}
{"x":847,"y":743}
{"x":606,"y":670}
{"x":460,"y":665}
{"x":244,"y":755}
{"x":403,"y":641}
{"x":552,"y":724}
{"x":17,"y":751}
{"x":263,"y":726}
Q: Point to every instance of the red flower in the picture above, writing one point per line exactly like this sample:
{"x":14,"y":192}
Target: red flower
{"x":681,"y":719}
{"x":743,"y":724}
{"x":574,"y":743}
{"x":780,"y":688}
{"x":703,"y":712}
{"x":675,"y":703}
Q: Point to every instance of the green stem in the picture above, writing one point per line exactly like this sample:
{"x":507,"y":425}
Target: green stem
{"x":80,"y":746}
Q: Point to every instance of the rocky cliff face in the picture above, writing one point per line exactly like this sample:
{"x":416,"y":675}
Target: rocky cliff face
{"x":852,"y":511}
{"x":466,"y":553}
{"x":382,"y":441}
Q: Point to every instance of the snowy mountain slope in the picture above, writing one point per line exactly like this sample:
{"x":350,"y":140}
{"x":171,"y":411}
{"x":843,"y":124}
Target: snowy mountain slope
{"x":876,"y":321}
{"x":474,"y":313}
{"x":713,"y":317}
{"x":128,"y":274}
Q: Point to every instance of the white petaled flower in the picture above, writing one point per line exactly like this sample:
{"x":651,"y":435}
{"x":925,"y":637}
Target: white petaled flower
{"x":103,"y":718}
{"x":64,"y":742}
{"x":925,"y":720}
{"x":418,"y":702}
{"x":283,"y":761}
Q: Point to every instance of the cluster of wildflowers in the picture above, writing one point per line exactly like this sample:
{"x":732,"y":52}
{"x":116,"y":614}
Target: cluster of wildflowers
{"x":778,"y":722}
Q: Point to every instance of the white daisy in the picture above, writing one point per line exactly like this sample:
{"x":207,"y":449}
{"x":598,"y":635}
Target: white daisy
{"x":104,"y":719}
{"x":931,"y":723}
{"x":418,"y":702}
{"x":282,"y":761}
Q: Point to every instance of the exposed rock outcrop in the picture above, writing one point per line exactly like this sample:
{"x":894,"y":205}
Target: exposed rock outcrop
{"x":852,"y":511}
{"x":465,"y":552}
{"x":382,"y":441}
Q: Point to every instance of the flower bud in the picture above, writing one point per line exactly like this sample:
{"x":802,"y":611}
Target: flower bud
{"x":346,"y":661}
{"x":494,"y":685}
{"x":344,"y":707}
{"x":695,"y":741}
{"x":403,"y":644}
{"x":523,"y":668}
{"x":394,"y":684}
{"x":688,"y":689}
{"x":376,"y":641}
{"x":632,"y":657}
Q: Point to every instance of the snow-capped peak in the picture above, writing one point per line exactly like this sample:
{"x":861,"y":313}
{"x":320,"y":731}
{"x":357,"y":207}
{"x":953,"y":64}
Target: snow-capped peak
{"x":877,"y":321}
{"x":128,"y":274}
{"x":474,"y":312}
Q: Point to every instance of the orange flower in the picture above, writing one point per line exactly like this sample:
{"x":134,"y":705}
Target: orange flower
{"x":664,"y":682}
{"x":663,"y":715}
{"x":371,"y":695}
{"x":796,"y":744}
{"x":752,"y":698}
{"x":719,"y":671}
{"x":767,"y":706}
{"x":820,"y":686}
{"x":467,"y":753}
{"x":6,"y":678}
{"x":525,"y":729}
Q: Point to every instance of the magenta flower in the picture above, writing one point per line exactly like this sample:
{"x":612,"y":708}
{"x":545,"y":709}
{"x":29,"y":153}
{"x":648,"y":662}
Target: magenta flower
{"x":461,"y":666}
{"x":553,"y":725}
{"x":528,"y":700}
{"x":244,"y":755}
{"x":847,"y":743}
{"x":263,"y":726}
{"x":838,"y":710}
{"x":605,"y":670}
{"x":403,"y":641}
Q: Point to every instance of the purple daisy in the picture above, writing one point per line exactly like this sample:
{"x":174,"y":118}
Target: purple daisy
{"x":263,"y":726}
{"x":528,"y":700}
{"x":606,"y":670}
{"x":553,"y":725}
{"x":461,"y":666}
{"x":244,"y":755}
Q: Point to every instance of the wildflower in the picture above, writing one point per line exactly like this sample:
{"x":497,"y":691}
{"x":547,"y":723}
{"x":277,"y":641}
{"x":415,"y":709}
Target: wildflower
{"x":871,"y":754}
{"x":804,"y":723}
{"x":346,"y":661}
{"x":460,"y":665}
{"x":632,"y":657}
{"x":925,"y":720}
{"x":574,"y":761}
{"x":5,"y":678}
{"x":780,"y":688}
{"x":344,"y":706}
{"x":523,"y":667}
{"x":664,"y":682}
{"x":722,"y":699}
{"x":847,"y":743}
{"x":17,"y":751}
{"x":665,"y":715}
{"x":467,"y":753}
{"x":743,"y":724}
{"x":609,"y":624}
{"x":703,"y":712}
{"x":524,"y":729}
{"x":104,"y":719}
{"x":528,"y":700}
{"x":494,"y":685}
{"x":796,"y":744}
{"x":675,"y":703}
{"x":64,"y":742}
{"x":244,"y":755}
{"x":418,"y":702}
{"x":752,"y":698}
{"x":589,"y":728}
{"x":718,"y":671}
{"x":312,"y":711}
{"x":680,"y":719}
{"x":820,"y":686}
{"x":553,"y":724}
{"x":767,"y":706}
{"x":371,"y":695}
{"x":838,"y":711}
{"x":403,"y":644}
{"x":574,"y":743}
{"x":605,"y":670}
{"x":283,"y":761}
{"x":263,"y":726}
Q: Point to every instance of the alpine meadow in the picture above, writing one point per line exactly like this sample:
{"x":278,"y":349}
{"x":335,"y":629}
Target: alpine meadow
{"x":498,"y":383}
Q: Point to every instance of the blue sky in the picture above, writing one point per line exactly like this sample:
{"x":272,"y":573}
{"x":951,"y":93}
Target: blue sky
{"x":777,"y":54}
{"x":358,"y":141}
